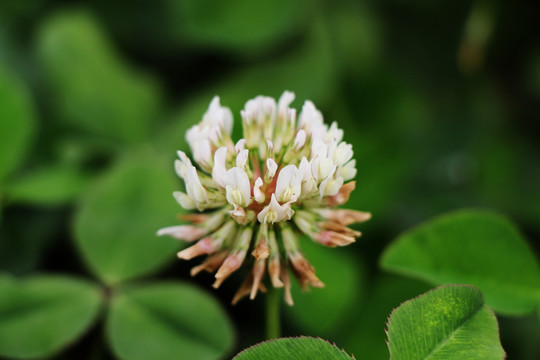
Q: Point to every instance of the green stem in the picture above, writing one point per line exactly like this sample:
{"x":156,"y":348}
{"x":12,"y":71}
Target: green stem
{"x":273,"y":305}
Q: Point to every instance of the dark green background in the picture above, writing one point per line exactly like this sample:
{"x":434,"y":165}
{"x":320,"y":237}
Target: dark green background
{"x":441,"y":101}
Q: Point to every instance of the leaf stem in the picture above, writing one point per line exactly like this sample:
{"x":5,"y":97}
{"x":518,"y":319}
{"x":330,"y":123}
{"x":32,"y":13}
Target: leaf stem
{"x":273,"y":316}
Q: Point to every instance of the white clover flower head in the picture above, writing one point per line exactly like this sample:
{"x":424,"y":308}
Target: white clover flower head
{"x":284,"y":178}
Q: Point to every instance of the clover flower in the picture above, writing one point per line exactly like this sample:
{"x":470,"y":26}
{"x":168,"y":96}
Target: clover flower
{"x":256,"y":196}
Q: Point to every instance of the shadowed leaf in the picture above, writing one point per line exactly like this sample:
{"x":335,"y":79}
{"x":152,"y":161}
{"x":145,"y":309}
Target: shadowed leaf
{"x":116,"y":224}
{"x":168,"y":321}
{"x":41,"y":315}
{"x":17,"y":121}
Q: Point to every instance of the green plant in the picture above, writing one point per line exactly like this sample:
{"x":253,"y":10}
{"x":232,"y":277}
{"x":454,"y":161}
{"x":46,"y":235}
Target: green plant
{"x":446,"y":323}
{"x":96,"y":97}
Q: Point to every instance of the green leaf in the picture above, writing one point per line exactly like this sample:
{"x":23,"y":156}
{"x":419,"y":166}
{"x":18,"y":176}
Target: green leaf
{"x":299,"y":348}
{"x":17,"y":121}
{"x":94,"y":88}
{"x":116,"y":224}
{"x":47,"y":186}
{"x":471,"y":247}
{"x":41,"y":315}
{"x":323,"y":311}
{"x":450,"y":322}
{"x":168,"y":321}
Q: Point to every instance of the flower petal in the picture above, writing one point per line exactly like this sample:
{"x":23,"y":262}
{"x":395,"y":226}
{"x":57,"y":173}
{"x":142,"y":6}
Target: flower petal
{"x":237,"y":187}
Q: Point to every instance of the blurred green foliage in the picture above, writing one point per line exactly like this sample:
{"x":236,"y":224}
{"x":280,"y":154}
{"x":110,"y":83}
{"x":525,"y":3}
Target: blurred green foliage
{"x":42,"y":313}
{"x":95,"y":90}
{"x":95,"y":98}
{"x":117,"y":218}
{"x":18,"y":122}
{"x":167,"y":321}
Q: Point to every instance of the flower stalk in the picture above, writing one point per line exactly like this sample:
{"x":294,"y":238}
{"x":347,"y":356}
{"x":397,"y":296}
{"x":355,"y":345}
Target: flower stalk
{"x":273,"y":314}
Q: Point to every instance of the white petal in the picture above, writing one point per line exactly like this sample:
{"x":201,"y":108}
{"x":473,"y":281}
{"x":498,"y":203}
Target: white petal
{"x":269,"y":106}
{"x":271,"y":168}
{"x":322,"y":187}
{"x":194,"y":188}
{"x":227,"y":119}
{"x":321,"y":168}
{"x":214,"y":105}
{"x":199,"y":143}
{"x":348,"y":171}
{"x":283,"y":103}
{"x":238,"y":187}
{"x":308,"y":182}
{"x":253,"y":109}
{"x":305,"y":169}
{"x":288,"y":186}
{"x":218,"y":116}
{"x":300,"y":139}
{"x":183,"y":232}
{"x":310,"y":118}
{"x":292,"y":117}
{"x":319,"y":148}
{"x":193,"y":135}
{"x":257,"y":193}
{"x":204,"y":152}
{"x":274,"y":212}
{"x":343,"y":153}
{"x":219,"y":169}
{"x":309,"y":186}
{"x":241,"y":159}
{"x":335,"y":133}
{"x":240,"y":145}
{"x":270,"y":145}
{"x":245,"y":117}
{"x":214,"y":134}
{"x":170,"y":230}
{"x":180,"y":168}
{"x":182,"y":155}
{"x":184,"y":200}
{"x":330,"y":187}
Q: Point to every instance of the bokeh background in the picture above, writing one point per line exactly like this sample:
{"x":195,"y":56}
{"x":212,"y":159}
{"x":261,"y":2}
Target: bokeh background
{"x":441,"y":101}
